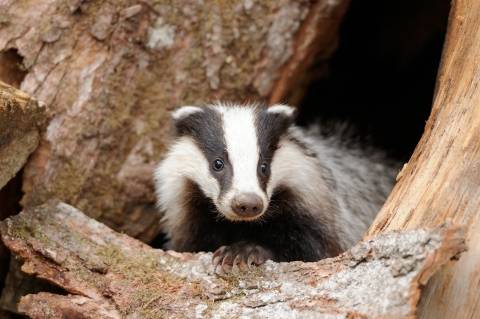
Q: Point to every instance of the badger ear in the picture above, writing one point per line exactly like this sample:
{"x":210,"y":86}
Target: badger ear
{"x":184,"y":112}
{"x":273,"y":122}
{"x":282,"y":116}
{"x":283,"y":110}
{"x":185,"y":117}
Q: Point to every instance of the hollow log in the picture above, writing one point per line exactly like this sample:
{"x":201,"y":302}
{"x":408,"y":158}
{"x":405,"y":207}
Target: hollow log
{"x":442,"y":179}
{"x":110,"y":72}
{"x":111,"y":275}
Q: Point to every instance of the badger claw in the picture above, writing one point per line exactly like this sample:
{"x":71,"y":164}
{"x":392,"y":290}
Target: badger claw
{"x":239,"y":257}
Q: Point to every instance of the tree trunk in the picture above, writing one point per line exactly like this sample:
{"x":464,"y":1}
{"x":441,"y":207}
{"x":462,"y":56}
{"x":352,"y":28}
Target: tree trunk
{"x":110,"y":275}
{"x":442,"y":179}
{"x":110,"y":72}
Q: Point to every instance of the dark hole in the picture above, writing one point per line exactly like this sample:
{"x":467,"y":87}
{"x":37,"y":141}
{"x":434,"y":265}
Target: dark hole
{"x":10,"y":196}
{"x":382,"y":77}
{"x":11,"y":68}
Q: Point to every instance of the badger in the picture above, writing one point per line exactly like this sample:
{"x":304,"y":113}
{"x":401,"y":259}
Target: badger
{"x":244,"y":182}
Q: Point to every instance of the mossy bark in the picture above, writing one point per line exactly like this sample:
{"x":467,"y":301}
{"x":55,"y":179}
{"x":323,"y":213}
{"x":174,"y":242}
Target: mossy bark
{"x":111,"y":275}
{"x":111,"y":72}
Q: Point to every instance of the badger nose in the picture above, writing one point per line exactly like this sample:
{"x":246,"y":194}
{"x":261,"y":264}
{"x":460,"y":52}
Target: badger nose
{"x":247,"y":205}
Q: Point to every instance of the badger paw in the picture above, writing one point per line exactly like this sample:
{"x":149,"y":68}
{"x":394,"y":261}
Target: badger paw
{"x":239,"y":257}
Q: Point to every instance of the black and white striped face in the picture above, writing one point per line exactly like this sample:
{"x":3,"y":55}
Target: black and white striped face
{"x":228,"y":152}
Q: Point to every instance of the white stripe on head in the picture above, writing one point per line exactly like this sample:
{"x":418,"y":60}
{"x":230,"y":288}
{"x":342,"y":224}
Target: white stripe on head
{"x":243,"y":154}
{"x":185,"y":111}
{"x":281,"y":109}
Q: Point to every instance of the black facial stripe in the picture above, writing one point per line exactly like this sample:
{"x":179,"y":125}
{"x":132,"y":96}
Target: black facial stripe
{"x":206,"y":129}
{"x":270,"y":127}
{"x":289,"y":229}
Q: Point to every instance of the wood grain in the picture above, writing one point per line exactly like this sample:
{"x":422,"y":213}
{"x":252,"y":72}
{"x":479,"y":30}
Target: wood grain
{"x":442,"y":179}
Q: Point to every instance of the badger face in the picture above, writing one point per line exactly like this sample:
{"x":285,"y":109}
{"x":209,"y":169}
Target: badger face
{"x":229,"y":150}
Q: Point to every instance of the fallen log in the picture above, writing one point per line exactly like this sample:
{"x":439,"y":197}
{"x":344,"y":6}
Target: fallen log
{"x":111,"y":275}
{"x":442,"y":179}
{"x":111,"y":72}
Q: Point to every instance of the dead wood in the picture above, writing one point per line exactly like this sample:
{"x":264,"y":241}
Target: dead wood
{"x":19,"y":284}
{"x":442,"y":179}
{"x":111,"y":275}
{"x":21,"y":119}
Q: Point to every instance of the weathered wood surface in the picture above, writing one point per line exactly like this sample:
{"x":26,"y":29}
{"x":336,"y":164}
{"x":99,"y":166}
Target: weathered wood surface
{"x":442,"y":179}
{"x":111,"y":275}
{"x":17,"y":285}
{"x":111,"y":71}
{"x":21,"y":120}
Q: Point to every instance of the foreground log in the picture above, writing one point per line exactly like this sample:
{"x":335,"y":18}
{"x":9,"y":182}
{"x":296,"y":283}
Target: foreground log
{"x":18,"y":284}
{"x":111,"y":275}
{"x":110,"y":72}
{"x":21,"y":119}
{"x":442,"y":179}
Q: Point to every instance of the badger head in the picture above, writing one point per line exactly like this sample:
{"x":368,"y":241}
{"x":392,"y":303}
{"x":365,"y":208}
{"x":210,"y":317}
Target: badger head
{"x":226,"y":150}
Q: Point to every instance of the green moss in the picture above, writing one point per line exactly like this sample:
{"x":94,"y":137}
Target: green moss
{"x":25,"y":230}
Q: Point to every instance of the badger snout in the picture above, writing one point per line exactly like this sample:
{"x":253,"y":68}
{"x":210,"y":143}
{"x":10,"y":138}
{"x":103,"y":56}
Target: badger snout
{"x":247,"y":205}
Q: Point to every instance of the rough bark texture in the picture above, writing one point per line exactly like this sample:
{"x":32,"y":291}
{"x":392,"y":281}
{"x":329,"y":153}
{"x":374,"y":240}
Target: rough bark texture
{"x":21,"y":119}
{"x":110,"y":72}
{"x":18,"y":284}
{"x":442,"y":179}
{"x":10,"y":193}
{"x":111,"y":275}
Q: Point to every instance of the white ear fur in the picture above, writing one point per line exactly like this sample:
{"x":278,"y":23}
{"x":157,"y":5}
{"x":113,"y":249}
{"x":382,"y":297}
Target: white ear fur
{"x":281,"y":109}
{"x":185,"y":111}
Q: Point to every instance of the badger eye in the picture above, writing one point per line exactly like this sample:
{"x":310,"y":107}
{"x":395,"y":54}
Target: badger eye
{"x":264,"y":168}
{"x":218,"y":165}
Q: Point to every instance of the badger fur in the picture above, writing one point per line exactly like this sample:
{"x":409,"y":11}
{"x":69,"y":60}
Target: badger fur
{"x":245,"y":182}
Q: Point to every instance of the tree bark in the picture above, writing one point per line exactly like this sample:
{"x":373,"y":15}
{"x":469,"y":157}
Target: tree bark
{"x":111,"y":275}
{"x":18,"y":284}
{"x":442,"y":179}
{"x":21,"y":120}
{"x":111,"y":72}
